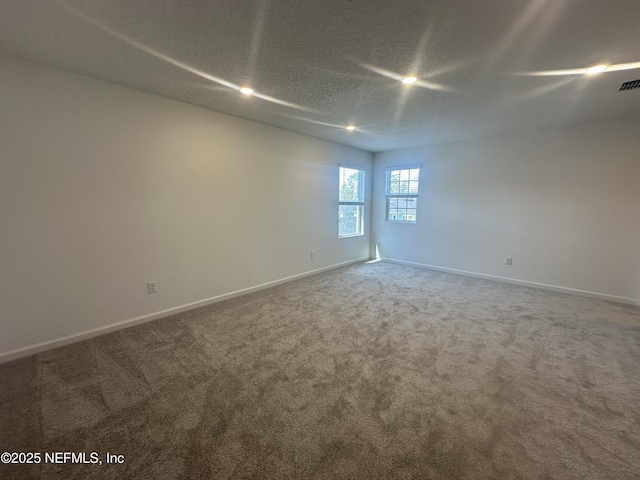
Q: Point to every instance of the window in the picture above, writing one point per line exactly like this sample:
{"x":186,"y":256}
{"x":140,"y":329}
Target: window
{"x":401,"y":191}
{"x":351,"y":209}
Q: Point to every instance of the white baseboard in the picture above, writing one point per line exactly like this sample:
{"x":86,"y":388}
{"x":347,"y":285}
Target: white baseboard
{"x":95,"y":332}
{"x":526,"y":283}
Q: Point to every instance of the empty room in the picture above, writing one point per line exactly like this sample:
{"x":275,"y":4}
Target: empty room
{"x":350,"y":239}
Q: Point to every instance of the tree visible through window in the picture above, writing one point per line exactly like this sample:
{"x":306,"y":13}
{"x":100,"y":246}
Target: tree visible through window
{"x":401,"y":191}
{"x":351,"y":209}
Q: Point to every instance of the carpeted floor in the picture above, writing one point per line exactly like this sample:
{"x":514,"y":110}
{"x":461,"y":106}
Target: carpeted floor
{"x":372,"y":371}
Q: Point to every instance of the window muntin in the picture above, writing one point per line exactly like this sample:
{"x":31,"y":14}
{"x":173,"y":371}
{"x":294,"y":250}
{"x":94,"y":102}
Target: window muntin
{"x":351,"y":199}
{"x":401,"y":192}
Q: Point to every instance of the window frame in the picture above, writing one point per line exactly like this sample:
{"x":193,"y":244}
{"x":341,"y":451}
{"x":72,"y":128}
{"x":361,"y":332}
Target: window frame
{"x":357,"y":201}
{"x":406,"y":190}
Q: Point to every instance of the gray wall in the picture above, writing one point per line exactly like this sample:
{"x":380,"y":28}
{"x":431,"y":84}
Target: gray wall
{"x":103,"y":188}
{"x":565,"y":204}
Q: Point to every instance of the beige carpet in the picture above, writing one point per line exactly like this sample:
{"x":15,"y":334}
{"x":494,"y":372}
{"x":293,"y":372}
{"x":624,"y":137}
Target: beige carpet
{"x":373,"y":371}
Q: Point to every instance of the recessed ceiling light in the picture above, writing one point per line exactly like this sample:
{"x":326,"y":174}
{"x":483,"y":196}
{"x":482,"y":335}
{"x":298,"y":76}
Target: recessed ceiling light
{"x":409,"y":80}
{"x":595,"y":69}
{"x":246,"y":91}
{"x":351,"y":128}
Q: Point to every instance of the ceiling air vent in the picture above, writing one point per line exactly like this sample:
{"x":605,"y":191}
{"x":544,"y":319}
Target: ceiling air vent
{"x":629,"y":85}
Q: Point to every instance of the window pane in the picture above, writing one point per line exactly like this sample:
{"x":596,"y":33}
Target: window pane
{"x":403,"y":181}
{"x":402,"y":209}
{"x":351,"y":185}
{"x":350,"y":220}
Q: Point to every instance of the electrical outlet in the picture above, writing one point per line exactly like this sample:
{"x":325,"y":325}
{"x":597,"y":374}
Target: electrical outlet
{"x":152,"y":287}
{"x":312,"y":254}
{"x":508,"y":260}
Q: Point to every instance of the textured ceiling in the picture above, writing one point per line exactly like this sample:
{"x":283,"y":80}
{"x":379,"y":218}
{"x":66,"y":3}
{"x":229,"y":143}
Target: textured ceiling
{"x":319,"y":65}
